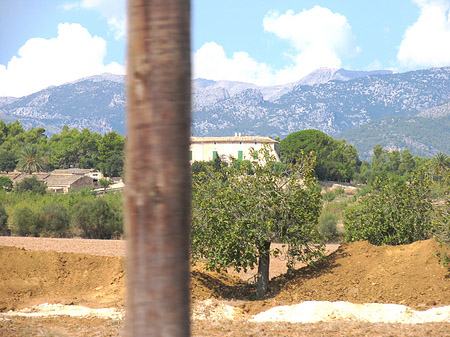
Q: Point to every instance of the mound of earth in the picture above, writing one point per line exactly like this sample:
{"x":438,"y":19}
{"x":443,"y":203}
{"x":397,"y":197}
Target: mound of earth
{"x":33,"y":277}
{"x":29,"y":277}
{"x":362,"y":273}
{"x":357,"y":272}
{"x":207,"y":284}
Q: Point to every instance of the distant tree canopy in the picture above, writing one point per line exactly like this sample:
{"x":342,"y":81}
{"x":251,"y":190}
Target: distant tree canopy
{"x":335,"y":159}
{"x":31,"y":150}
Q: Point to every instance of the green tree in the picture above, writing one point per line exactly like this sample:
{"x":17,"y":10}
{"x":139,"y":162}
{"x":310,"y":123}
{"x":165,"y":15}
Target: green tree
{"x":236,"y":215}
{"x":111,"y":143}
{"x":8,"y":161}
{"x":408,"y":164}
{"x":113,"y":167}
{"x":335,"y":159}
{"x":30,"y":159}
{"x":32,"y":185}
{"x":73,"y":148}
{"x":396,"y":213}
{"x":440,"y":165}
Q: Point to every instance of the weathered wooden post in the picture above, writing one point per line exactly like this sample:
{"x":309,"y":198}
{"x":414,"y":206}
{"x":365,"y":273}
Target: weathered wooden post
{"x":157,"y":194}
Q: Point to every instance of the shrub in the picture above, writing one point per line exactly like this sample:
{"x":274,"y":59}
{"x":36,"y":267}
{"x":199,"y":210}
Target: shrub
{"x":328,"y":225}
{"x":32,"y":185}
{"x":96,"y":220}
{"x":4,"y":230}
{"x":397,"y":213}
{"x":6,"y":184}
{"x":55,"y":221}
{"x":26,"y":222}
{"x":331,"y":195}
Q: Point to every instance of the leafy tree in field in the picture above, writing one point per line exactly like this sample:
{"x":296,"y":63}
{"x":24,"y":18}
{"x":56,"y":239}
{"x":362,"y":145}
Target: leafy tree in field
{"x":4,"y":230}
{"x":396,"y":213}
{"x":30,"y":159}
{"x":6,"y":184}
{"x":236,"y":215}
{"x":32,"y":185}
{"x":335,"y":159}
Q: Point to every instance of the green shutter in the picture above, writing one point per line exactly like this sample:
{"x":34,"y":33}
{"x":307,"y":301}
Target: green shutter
{"x":240,"y":155}
{"x":214,"y":154}
{"x":190,"y":155}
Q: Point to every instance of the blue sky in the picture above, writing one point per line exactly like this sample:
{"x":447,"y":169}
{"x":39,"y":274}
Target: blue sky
{"x":50,"y":42}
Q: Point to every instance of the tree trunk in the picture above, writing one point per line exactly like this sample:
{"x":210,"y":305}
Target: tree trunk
{"x":157,"y":173}
{"x":262,"y":281}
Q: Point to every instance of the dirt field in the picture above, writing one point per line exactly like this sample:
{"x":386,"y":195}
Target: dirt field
{"x":43,"y":270}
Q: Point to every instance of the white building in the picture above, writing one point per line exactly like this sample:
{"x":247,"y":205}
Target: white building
{"x":238,"y":147}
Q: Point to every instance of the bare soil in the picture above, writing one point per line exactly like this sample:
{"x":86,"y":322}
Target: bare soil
{"x":43,"y":270}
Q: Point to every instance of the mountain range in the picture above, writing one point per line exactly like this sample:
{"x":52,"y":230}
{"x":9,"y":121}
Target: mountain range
{"x":342,"y":103}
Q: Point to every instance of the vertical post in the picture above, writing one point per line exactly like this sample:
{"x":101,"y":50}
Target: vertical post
{"x":157,"y":194}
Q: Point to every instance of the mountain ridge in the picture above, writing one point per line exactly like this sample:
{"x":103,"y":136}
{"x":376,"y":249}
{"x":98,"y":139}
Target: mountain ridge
{"x":344,"y":101}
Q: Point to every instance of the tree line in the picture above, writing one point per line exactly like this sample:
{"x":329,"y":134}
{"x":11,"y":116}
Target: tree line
{"x":33,"y":151}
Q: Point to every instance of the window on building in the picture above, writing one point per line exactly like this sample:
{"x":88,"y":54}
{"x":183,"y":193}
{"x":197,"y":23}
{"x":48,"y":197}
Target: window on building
{"x":190,"y":155}
{"x":240,"y":155}
{"x":214,"y":154}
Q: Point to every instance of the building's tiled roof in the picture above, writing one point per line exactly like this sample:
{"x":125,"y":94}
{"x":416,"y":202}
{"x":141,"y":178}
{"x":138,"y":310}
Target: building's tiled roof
{"x":40,"y":176}
{"x":75,"y":171}
{"x":51,"y":179}
{"x":244,"y":139}
{"x":62,"y":180}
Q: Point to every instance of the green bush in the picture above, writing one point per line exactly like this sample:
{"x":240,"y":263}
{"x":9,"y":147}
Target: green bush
{"x":55,"y":221}
{"x":331,"y":195}
{"x":328,"y":225}
{"x":96,"y":220}
{"x":4,"y":230}
{"x":32,"y":185}
{"x":6,"y":184}
{"x":26,"y":222}
{"x":396,"y":213}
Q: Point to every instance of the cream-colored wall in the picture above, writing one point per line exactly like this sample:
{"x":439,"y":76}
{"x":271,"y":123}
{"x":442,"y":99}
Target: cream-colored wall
{"x":203,"y":151}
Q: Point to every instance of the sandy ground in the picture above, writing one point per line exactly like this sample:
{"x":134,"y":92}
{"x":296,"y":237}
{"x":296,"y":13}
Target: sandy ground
{"x":90,"y":284}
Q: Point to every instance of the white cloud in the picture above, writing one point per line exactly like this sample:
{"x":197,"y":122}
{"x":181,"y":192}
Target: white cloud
{"x":427,"y":42}
{"x":73,"y":54}
{"x":114,"y":11}
{"x":211,"y":62}
{"x":318,"y":37}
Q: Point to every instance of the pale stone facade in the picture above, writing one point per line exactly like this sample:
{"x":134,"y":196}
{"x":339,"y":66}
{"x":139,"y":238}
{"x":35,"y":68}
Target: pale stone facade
{"x":238,"y":147}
